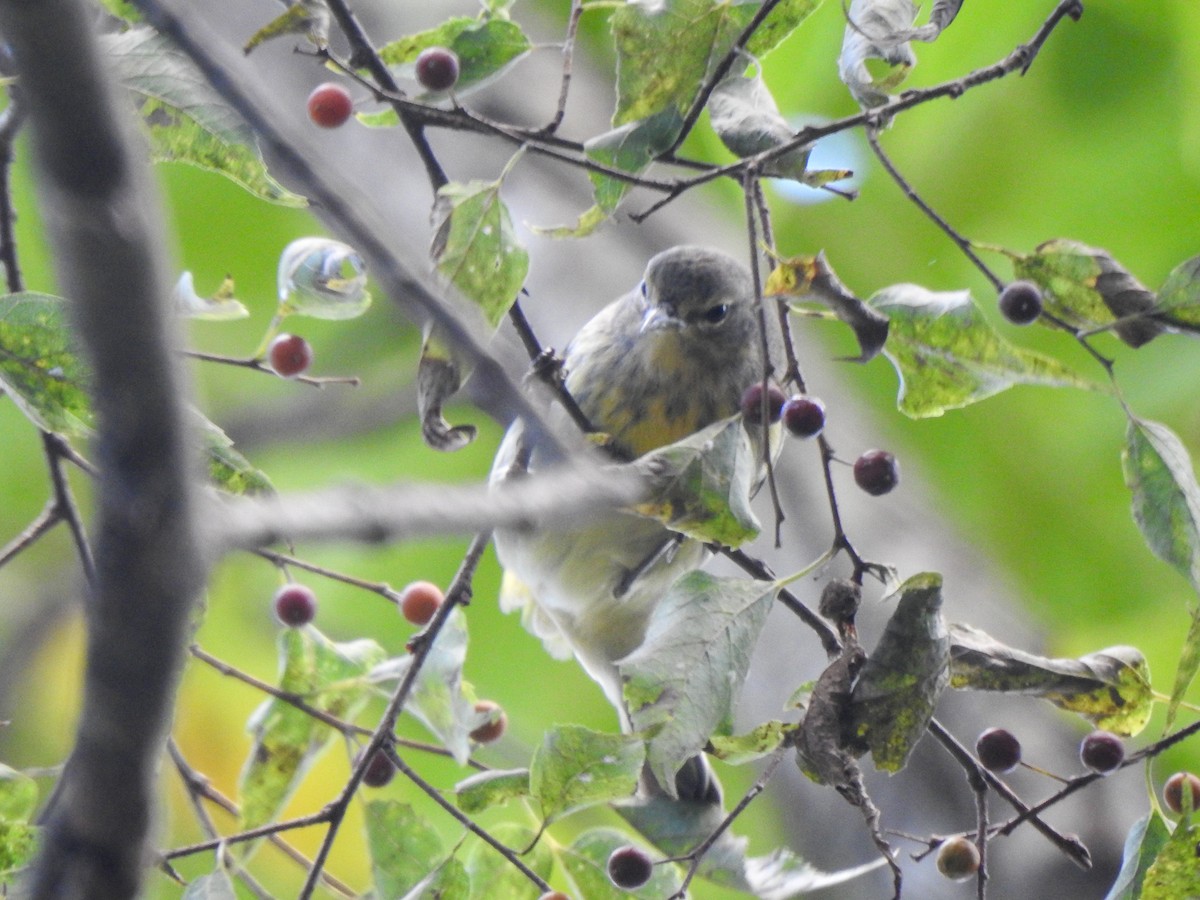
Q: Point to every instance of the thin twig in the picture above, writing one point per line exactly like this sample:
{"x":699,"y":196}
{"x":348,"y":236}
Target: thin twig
{"x":568,"y":54}
{"x":257,"y":364}
{"x":376,"y":587}
{"x":760,"y":570}
{"x":64,"y":501}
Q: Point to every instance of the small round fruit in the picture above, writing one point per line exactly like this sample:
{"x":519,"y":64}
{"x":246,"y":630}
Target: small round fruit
{"x":295,"y":605}
{"x":998,"y":750}
{"x":1102,"y":751}
{"x":1173,"y":791}
{"x":840,"y":599}
{"x":437,"y":68}
{"x":290,"y":355}
{"x":330,"y":105}
{"x":876,"y":472}
{"x":1021,"y":302}
{"x":958,"y":859}
{"x":752,"y":399}
{"x":494,"y":727}
{"x":379,"y":770}
{"x":804,"y":416}
{"x":630,"y":867}
{"x":554,"y":895}
{"x":420,"y":601}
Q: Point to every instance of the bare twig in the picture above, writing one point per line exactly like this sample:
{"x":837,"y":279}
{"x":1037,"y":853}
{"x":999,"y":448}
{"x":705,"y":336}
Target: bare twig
{"x":568,"y":54}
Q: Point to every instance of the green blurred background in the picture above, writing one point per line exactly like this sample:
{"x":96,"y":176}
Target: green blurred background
{"x":1100,"y":143}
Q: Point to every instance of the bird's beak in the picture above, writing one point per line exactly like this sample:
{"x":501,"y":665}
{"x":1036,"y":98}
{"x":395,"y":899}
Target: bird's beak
{"x":656,"y":318}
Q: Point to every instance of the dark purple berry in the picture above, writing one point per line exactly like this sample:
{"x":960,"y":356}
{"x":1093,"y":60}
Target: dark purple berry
{"x":630,"y":867}
{"x":1102,"y":751}
{"x":752,"y":400}
{"x":804,"y":416}
{"x":379,"y":770}
{"x":1173,"y":791}
{"x":998,"y":750}
{"x":295,"y":605}
{"x":876,"y":472}
{"x":1021,"y":302}
{"x":437,"y":68}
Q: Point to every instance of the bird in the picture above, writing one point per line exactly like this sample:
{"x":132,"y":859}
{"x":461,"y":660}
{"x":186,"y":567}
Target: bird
{"x":668,"y":358}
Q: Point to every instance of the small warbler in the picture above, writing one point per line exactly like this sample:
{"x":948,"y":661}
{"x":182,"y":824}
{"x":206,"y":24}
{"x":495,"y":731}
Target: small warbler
{"x":668,"y":358}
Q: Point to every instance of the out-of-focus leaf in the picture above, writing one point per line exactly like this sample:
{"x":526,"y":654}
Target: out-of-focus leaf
{"x":18,"y":794}
{"x":1142,"y":845}
{"x":328,"y":676}
{"x":1086,"y":288}
{"x":18,"y":845}
{"x":188,"y":120}
{"x":785,"y":18}
{"x":948,"y":356}
{"x":491,"y":788}
{"x":701,"y":486}
{"x":746,"y":119}
{"x":220,"y":307}
{"x":681,"y":683}
{"x":1179,"y":297}
{"x":227,"y":467}
{"x":439,"y":376}
{"x":475,"y":246}
{"x":39,"y":368}
{"x":484,"y":46}
{"x":440,"y":698}
{"x":310,"y":18}
{"x":323,"y":279}
{"x":803,"y":276}
{"x":493,"y":876}
{"x":586,"y":864}
{"x":122,"y":9}
{"x":1174,"y":874}
{"x":895,"y":696}
{"x":821,"y":753}
{"x":1110,"y":688}
{"x":739,"y":749}
{"x":576,"y":767}
{"x":216,"y":885}
{"x":404,"y":848}
{"x":877,"y":29}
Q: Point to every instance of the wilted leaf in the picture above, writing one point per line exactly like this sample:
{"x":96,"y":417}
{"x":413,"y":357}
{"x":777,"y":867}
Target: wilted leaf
{"x":701,"y":486}
{"x":1179,"y":297}
{"x":493,"y":876}
{"x":894,"y":697}
{"x":484,"y":46}
{"x":188,"y":120}
{"x":681,"y":683}
{"x":737,"y":750}
{"x":39,"y":369}
{"x":746,"y":119}
{"x":322,"y":278}
{"x":475,"y":247}
{"x":491,"y":788}
{"x":439,"y":376}
{"x":1086,"y":288}
{"x":1142,"y":845}
{"x":216,"y":885}
{"x":1174,"y":874}
{"x":227,"y":468}
{"x":877,"y":29}
{"x":948,"y":356}
{"x":327,"y":676}
{"x":310,"y":18}
{"x":404,"y":848}
{"x":821,"y":753}
{"x":220,"y":307}
{"x":1110,"y":688}
{"x":576,"y":767}
{"x":586,"y":864}
{"x":803,"y":276}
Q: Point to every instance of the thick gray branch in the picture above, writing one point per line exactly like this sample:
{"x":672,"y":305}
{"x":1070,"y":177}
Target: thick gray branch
{"x":106,"y":232}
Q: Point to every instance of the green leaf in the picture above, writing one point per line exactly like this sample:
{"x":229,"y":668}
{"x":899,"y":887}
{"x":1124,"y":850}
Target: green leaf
{"x":492,"y":788}
{"x":216,"y":885}
{"x":701,"y":486}
{"x":586,"y":864}
{"x":323,"y":279}
{"x":948,"y":356}
{"x":1086,"y":288}
{"x":630,"y":148}
{"x":404,"y":848}
{"x":122,"y":9}
{"x":475,"y":246}
{"x":904,"y":676}
{"x":1179,"y":297}
{"x":39,"y":367}
{"x":681,"y":683}
{"x":228,"y":469}
{"x":1143,"y":843}
{"x":1174,"y":874}
{"x":484,"y":46}
{"x":311,"y":18}
{"x":18,"y":846}
{"x":1110,"y":688}
{"x":328,"y":676}
{"x":737,"y":750}
{"x":745,"y":117}
{"x":493,"y":876}
{"x":18,"y":794}
{"x":575,"y":767}
{"x":785,"y":18}
{"x":188,"y":120}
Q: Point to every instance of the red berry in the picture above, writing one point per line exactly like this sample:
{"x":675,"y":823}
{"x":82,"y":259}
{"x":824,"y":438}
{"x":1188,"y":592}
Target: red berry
{"x":295,"y":605}
{"x":420,"y":601}
{"x":998,"y":750}
{"x":876,"y":472}
{"x":494,"y":727}
{"x":958,"y":859}
{"x":752,"y":399}
{"x":437,"y":68}
{"x":804,"y":416}
{"x":554,"y":895}
{"x":379,"y":770}
{"x":1102,"y":751}
{"x":630,"y":867}
{"x":330,"y":105}
{"x":1173,"y":791}
{"x":1021,"y":302}
{"x":290,"y":355}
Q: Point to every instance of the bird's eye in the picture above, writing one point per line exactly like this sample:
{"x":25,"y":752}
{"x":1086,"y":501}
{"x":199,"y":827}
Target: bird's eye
{"x":715,"y":314}
{"x":645,"y":290}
